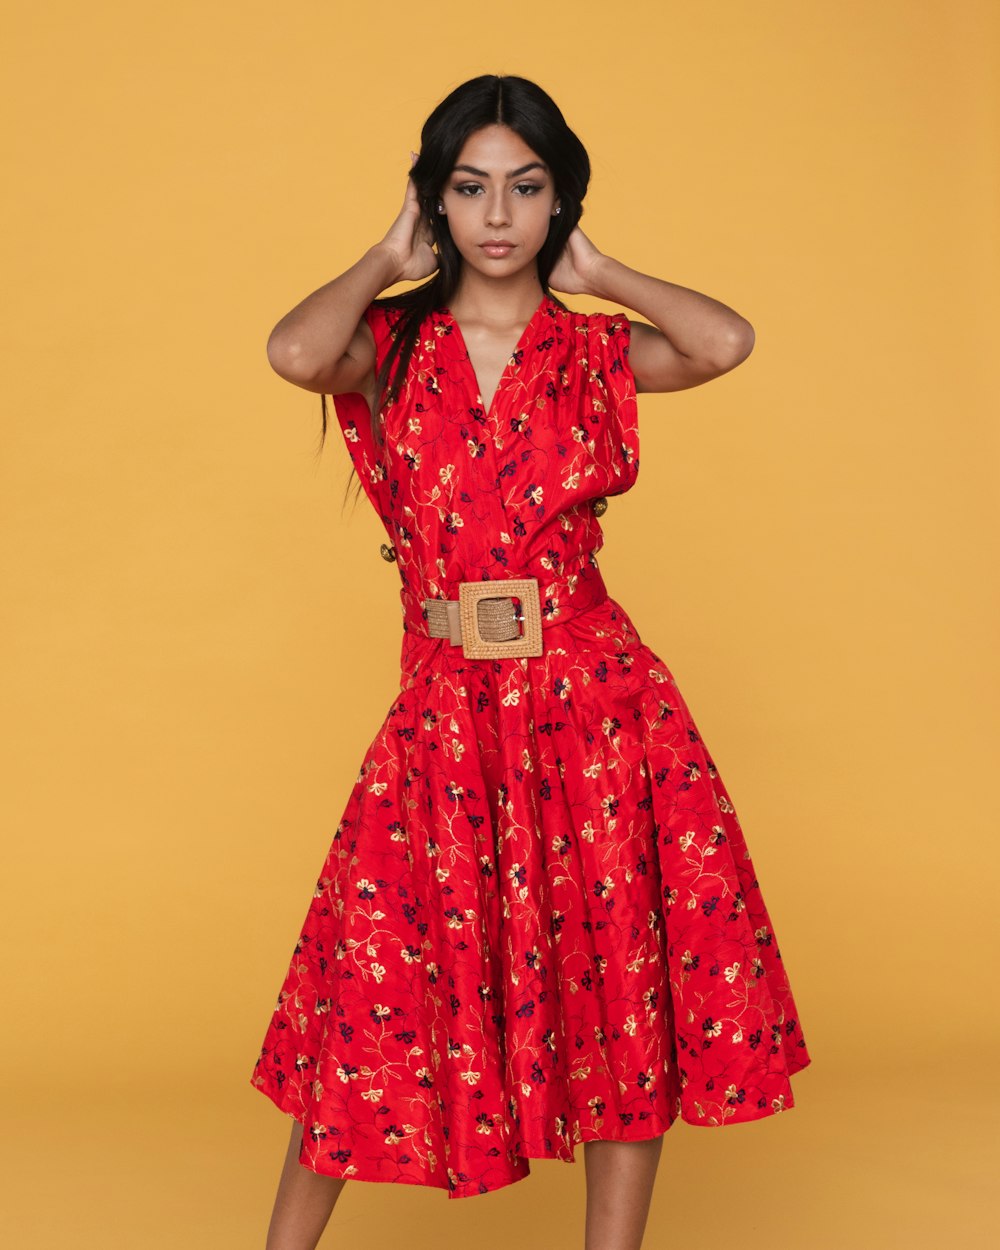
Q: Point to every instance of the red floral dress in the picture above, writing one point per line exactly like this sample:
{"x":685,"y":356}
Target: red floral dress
{"x":538,"y":923}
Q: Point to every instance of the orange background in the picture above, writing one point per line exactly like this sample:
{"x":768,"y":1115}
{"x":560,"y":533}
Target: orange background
{"x":199,"y":643}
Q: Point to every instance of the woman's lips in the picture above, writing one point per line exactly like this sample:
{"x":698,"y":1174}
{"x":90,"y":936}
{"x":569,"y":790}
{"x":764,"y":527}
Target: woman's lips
{"x":497,"y":249}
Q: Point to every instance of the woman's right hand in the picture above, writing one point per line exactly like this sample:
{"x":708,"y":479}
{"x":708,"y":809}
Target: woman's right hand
{"x":409,"y":238}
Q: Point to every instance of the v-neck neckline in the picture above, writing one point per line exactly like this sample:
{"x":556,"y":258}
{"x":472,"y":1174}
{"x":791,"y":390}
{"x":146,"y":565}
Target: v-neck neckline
{"x":522,"y":339}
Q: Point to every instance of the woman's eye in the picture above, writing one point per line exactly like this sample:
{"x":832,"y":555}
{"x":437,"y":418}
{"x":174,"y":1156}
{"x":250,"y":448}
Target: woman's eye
{"x":472,"y":188}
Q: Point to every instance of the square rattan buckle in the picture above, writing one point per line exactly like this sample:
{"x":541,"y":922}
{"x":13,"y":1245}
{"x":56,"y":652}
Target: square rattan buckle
{"x":474,"y":646}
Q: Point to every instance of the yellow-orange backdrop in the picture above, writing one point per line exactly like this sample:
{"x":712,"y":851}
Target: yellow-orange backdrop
{"x":810,"y":547}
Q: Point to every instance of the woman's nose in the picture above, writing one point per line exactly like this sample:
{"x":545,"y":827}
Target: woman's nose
{"x":496,"y":211}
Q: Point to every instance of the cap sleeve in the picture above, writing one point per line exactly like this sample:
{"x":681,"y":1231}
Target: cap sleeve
{"x":382,"y":322}
{"x":611,"y":335}
{"x":354,"y":419}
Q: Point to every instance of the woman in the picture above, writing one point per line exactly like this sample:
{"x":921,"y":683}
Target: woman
{"x":538,"y":925}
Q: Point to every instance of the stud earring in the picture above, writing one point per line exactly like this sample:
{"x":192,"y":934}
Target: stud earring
{"x":558,"y":209}
{"x":440,"y":207}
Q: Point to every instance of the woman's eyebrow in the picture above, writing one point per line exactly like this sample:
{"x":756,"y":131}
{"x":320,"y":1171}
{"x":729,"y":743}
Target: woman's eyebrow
{"x":514,"y":173}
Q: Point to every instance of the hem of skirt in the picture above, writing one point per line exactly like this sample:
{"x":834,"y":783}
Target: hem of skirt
{"x":747,"y":1114}
{"x":523,"y":1152}
{"x":468,"y":1189}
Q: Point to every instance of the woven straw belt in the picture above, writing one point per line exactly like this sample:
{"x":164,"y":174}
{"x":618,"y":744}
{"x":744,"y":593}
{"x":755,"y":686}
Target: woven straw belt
{"x":484,"y":620}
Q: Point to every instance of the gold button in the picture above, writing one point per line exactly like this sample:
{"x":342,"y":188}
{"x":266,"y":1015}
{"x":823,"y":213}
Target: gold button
{"x":387,"y":552}
{"x":600,"y":506}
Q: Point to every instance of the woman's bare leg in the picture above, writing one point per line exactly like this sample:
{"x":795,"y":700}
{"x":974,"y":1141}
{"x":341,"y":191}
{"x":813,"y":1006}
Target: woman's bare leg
{"x":620,"y":1179}
{"x":303,"y":1203}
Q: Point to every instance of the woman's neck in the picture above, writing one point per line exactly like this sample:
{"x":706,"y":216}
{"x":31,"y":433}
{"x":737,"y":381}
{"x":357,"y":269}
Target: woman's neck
{"x":496,"y":301}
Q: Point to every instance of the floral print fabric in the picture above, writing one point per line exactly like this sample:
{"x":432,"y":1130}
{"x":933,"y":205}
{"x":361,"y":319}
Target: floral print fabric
{"x":538,"y":923}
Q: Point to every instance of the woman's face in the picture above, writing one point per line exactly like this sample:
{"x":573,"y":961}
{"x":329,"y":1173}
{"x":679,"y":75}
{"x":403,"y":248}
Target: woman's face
{"x":499,"y":190}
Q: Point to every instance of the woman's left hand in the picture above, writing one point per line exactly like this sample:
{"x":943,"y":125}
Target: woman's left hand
{"x":572,"y":272}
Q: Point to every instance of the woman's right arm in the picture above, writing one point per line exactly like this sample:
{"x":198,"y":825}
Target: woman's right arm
{"x":325,"y":344}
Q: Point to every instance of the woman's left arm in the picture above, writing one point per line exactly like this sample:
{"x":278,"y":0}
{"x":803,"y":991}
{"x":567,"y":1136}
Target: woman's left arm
{"x":693,"y":338}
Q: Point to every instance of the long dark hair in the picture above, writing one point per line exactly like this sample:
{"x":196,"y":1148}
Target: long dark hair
{"x":491,"y":99}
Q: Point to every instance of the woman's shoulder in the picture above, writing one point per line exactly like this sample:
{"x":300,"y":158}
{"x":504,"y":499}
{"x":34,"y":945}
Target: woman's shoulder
{"x":600,"y":335}
{"x":589,"y":321}
{"x":386,"y":317}
{"x":602,"y":342}
{"x":383,"y":316}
